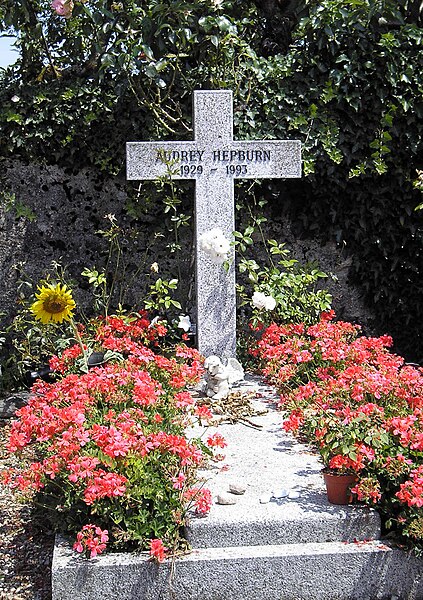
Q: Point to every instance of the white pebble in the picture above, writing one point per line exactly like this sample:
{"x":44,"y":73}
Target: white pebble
{"x":225,"y":499}
{"x":281,"y":493}
{"x":265,"y":499}
{"x":237,"y":488}
{"x":293,"y":495}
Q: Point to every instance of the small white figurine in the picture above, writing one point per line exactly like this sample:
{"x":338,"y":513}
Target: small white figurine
{"x":220,"y":378}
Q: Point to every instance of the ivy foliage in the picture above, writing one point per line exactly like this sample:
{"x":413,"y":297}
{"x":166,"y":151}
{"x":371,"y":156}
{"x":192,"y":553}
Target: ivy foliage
{"x":112,"y":72}
{"x":351,"y":89}
{"x":349,"y":86}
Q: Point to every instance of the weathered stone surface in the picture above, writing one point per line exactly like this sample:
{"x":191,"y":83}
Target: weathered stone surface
{"x":69,"y":209}
{"x":267,"y":460}
{"x":326,"y":571}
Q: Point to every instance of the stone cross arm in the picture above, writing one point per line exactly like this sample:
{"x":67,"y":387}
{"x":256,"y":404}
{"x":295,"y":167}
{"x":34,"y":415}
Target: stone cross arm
{"x":231,"y":160}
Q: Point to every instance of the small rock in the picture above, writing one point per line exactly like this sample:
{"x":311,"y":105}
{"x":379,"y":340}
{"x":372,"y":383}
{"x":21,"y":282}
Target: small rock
{"x":281,"y":493}
{"x":293,"y":495}
{"x":225,"y":499}
{"x":265,"y":499}
{"x":237,"y":488}
{"x":9,"y":405}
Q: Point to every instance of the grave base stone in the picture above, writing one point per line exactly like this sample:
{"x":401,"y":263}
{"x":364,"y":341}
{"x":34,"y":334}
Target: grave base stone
{"x":302,"y":548}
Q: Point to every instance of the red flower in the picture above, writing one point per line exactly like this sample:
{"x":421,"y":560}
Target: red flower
{"x":92,"y":540}
{"x":411,"y":492}
{"x":183,"y":399}
{"x":203,"y":412}
{"x":201,"y":497}
{"x":294,"y":421}
{"x":158,"y":550}
{"x":367,"y":490}
{"x":216,"y":440}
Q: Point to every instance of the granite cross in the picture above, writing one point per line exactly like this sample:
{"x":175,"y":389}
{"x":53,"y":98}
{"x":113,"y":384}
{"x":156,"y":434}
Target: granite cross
{"x":214,"y":159}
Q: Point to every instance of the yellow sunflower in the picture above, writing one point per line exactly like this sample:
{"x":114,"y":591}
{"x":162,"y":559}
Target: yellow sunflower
{"x":54,"y":304}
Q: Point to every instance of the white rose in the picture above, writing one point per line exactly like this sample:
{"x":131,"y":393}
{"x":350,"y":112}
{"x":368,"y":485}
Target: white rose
{"x":215,"y":245}
{"x":261,"y":301}
{"x":270,"y":303}
{"x":258,"y":300}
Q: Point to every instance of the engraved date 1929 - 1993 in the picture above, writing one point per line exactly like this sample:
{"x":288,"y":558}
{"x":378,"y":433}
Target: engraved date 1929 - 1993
{"x":193,"y":170}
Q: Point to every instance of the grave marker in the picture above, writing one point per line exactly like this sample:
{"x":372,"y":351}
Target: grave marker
{"x":214,"y":159}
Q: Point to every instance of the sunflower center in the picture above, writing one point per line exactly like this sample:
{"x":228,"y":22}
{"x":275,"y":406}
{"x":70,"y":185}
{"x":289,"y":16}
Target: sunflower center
{"x":54,"y":305}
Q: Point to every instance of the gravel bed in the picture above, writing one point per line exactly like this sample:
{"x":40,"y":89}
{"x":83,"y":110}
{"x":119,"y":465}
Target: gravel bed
{"x":26,"y":547}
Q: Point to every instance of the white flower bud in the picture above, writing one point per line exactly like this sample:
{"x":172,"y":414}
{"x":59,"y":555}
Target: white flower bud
{"x":184,"y":323}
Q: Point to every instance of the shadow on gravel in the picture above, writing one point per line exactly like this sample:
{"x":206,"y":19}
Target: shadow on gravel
{"x":25,"y":556}
{"x":26,"y":543}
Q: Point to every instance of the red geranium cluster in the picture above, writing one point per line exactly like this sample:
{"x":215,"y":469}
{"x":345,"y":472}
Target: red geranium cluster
{"x":112,"y":443}
{"x":91,"y":540}
{"x":158,"y":550}
{"x":360,"y":404}
{"x":115,"y":335}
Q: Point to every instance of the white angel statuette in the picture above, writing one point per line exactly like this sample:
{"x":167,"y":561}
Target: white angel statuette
{"x":220,"y":378}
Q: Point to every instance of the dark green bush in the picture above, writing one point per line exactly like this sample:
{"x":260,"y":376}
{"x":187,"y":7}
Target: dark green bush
{"x":350,"y":86}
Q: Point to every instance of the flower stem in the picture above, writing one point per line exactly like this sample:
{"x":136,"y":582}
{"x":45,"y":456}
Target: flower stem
{"x":81,"y":345}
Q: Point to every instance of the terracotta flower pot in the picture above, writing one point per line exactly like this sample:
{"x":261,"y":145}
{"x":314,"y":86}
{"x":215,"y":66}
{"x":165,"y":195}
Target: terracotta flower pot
{"x":338,"y":487}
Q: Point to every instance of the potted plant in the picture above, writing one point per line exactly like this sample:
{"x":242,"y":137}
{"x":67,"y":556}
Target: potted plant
{"x":343,"y":454}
